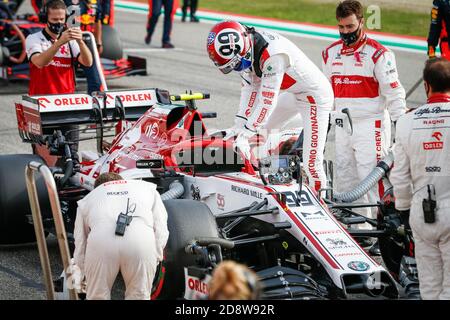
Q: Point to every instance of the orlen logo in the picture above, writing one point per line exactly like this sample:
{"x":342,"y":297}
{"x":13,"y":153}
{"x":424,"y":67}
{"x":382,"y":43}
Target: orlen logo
{"x":197,"y":285}
{"x":131,"y":97}
{"x":43,"y":102}
{"x":434,"y":145}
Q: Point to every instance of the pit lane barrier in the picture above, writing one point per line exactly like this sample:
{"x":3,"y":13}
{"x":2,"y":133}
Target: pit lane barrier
{"x":30,"y":170}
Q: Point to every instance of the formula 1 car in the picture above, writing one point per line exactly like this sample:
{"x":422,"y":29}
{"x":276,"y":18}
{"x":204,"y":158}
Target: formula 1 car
{"x":13,"y":59}
{"x":220,"y":205}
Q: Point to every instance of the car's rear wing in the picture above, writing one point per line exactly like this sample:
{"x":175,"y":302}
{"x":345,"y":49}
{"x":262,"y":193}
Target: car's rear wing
{"x":37,"y":112}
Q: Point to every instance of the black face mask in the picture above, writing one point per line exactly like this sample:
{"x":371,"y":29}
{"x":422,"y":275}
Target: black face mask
{"x":56,"y":28}
{"x":350,"y":38}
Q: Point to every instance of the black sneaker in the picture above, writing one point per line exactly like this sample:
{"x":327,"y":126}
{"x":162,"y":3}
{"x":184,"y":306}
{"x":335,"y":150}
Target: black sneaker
{"x":194,"y":19}
{"x":168,"y":45}
{"x":148,"y":39}
{"x":183,"y":17}
{"x":375,"y":249}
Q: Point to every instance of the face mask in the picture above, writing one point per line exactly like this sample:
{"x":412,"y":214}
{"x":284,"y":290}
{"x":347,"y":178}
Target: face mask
{"x":350,"y":38}
{"x":55,"y":28}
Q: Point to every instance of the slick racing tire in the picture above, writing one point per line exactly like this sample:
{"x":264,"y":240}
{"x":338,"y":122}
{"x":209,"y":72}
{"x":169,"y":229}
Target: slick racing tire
{"x":187,"y":220}
{"x":14,"y":204}
{"x":112,"y":46}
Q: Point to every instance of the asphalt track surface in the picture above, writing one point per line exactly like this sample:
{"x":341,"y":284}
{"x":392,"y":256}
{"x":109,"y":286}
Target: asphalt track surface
{"x":187,"y":67}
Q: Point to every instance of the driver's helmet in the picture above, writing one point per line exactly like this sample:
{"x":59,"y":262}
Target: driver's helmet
{"x":230,"y":46}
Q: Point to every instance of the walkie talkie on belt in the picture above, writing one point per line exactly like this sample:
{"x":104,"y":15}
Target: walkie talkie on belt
{"x":124,"y":220}
{"x":429,"y":205}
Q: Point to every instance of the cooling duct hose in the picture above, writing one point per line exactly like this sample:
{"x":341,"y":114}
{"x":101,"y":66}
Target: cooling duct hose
{"x":175,"y":191}
{"x":371,"y":180}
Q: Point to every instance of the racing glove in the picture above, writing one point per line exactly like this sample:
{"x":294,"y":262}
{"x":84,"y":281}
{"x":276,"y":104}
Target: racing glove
{"x":404,"y":217}
{"x":239,"y":123}
{"x":241,"y":142}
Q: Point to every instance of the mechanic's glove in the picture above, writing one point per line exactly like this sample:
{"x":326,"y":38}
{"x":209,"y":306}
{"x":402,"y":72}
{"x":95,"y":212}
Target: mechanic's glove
{"x":241,"y":142}
{"x":431,"y":52}
{"x":75,"y":281}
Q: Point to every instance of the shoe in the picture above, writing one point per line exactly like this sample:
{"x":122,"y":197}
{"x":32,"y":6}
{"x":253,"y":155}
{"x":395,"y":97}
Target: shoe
{"x":375,"y":249}
{"x":364,"y":242}
{"x":148,"y":39}
{"x":168,"y":45}
{"x":183,"y":17}
{"x":194,"y":19}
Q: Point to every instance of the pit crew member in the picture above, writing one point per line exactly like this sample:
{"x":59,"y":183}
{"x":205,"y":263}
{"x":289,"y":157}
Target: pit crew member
{"x":278,"y":82}
{"x":439,"y":29}
{"x":365,"y":81}
{"x":154,"y":11}
{"x":422,"y":172}
{"x":100,"y":252}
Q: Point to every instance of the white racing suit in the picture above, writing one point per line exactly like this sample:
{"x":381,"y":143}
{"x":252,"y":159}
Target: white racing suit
{"x":365,"y":81}
{"x":282,"y":84}
{"x":100,"y":253}
{"x":422,"y":157}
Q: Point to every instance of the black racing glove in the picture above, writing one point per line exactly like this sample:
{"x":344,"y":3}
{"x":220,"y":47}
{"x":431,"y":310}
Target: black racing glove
{"x":404,"y":217}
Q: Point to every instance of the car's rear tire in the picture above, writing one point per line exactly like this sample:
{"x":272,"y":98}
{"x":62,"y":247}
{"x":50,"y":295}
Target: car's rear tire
{"x":112,"y":45}
{"x":187,"y":220}
{"x":14,"y":203}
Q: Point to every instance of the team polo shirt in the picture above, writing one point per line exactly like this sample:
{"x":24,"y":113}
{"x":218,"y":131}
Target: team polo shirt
{"x":58,"y":77}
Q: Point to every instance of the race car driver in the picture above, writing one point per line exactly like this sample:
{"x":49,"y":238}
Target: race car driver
{"x":51,"y":53}
{"x":365,"y":81}
{"x":439,"y":29}
{"x":421,"y":180}
{"x":278,"y":82}
{"x":101,"y":251}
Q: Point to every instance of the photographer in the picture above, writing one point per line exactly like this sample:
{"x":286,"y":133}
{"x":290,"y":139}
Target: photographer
{"x":53,"y":51}
{"x":52,"y":54}
{"x":120,"y":226}
{"x":421,"y":180}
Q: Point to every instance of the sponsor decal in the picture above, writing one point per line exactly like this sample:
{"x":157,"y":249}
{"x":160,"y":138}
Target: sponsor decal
{"x":267,"y":102}
{"x":63,"y":49}
{"x":152,"y":131}
{"x":336,"y":241}
{"x":346,"y":81}
{"x":115,"y":182}
{"x":268,"y":94}
{"x":422,"y":111}
{"x":211,"y":37}
{"x":434,"y":145}
{"x":394,"y":85}
{"x":195,"y":192}
{"x":337,"y":231}
{"x":358,"y":265}
{"x":337,"y":63}
{"x":359,"y":64}
{"x":433,"y":169}
{"x":314,"y":215}
{"x":269,"y":68}
{"x":117,"y":193}
{"x":270,"y":74}
{"x":57,"y":63}
{"x":196,"y":288}
{"x":261,"y":116}
{"x":251,"y":102}
{"x":434,"y":121}
{"x":220,"y":201}
{"x":248,"y":192}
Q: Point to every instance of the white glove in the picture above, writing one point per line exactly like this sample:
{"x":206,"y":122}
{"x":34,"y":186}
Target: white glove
{"x":241,"y":142}
{"x":239,"y":124}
